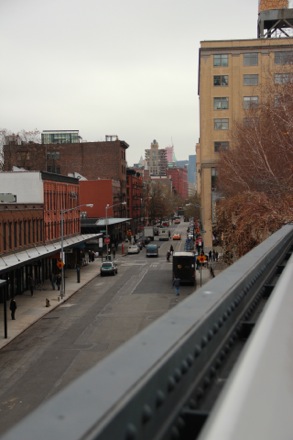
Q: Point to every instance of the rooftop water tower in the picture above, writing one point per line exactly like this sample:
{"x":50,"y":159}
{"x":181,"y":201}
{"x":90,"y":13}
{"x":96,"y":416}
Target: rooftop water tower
{"x":275,"y":19}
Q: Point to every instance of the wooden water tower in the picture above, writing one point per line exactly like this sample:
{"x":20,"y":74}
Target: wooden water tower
{"x":275,"y":19}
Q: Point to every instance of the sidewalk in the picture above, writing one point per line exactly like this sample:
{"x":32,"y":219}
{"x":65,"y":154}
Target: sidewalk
{"x":32,"y":308}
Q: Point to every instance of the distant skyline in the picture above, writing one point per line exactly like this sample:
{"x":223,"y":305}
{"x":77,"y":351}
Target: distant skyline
{"x":112,"y":68}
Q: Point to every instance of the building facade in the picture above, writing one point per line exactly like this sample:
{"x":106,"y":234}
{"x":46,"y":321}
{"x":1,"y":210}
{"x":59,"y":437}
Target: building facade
{"x":178,"y":176}
{"x":31,"y":234}
{"x":135,"y":200}
{"x":93,"y":160}
{"x":156,"y":159}
{"x":231,"y":78}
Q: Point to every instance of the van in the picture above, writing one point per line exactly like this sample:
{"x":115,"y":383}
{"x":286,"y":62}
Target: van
{"x":184,"y":267}
{"x":152,"y":250}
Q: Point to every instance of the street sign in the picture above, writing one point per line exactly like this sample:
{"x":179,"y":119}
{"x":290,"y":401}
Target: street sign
{"x":60,"y":263}
{"x":107,"y":240}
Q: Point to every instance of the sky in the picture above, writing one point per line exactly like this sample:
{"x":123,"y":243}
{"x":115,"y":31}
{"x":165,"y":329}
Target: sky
{"x":112,"y":67}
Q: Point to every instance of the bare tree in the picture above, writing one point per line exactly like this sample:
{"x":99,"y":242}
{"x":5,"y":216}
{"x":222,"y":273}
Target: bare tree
{"x":256,"y":176}
{"x":23,"y":136}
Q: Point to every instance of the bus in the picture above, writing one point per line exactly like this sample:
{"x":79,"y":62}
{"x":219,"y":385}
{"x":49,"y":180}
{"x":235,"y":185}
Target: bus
{"x":184,"y":267}
{"x":152,"y":250}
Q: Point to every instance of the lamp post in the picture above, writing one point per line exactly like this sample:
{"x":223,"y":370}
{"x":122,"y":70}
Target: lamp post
{"x":62,"y":212}
{"x":106,"y":218}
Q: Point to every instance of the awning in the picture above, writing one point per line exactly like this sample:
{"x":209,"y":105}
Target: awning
{"x":20,"y":258}
{"x":111,"y":221}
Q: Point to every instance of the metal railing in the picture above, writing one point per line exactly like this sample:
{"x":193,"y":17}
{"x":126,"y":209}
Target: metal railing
{"x":140,"y":390}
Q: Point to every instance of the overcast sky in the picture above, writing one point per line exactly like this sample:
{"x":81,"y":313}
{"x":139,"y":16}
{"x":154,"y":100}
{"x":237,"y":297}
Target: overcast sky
{"x":112,"y":67}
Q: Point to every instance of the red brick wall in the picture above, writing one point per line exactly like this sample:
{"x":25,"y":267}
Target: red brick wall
{"x":21,"y":227}
{"x":93,"y":160}
{"x":100,"y":193}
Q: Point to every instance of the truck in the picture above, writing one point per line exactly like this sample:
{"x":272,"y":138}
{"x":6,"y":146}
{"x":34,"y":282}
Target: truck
{"x":164,"y":234}
{"x":184,"y":267}
{"x":149,"y":232}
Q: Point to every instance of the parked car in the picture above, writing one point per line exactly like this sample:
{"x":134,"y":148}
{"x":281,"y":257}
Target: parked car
{"x":133,"y":249}
{"x":108,"y":268}
{"x":177,"y":237}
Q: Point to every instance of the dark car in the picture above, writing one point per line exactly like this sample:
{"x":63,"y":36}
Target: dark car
{"x":108,"y":268}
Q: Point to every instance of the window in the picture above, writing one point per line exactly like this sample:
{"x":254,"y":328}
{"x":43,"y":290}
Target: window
{"x":250,"y":122}
{"x":250,"y":80}
{"x":220,"y":80}
{"x":250,"y":102}
{"x":214,"y":178}
{"x":220,"y":60}
{"x":221,"y":146}
{"x":221,"y":103}
{"x":250,"y":59}
{"x":221,"y":124}
{"x":285,"y":57}
{"x":283,"y":78}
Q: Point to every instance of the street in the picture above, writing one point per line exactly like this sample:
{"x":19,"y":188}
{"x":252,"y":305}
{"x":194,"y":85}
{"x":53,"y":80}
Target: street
{"x":79,"y":333}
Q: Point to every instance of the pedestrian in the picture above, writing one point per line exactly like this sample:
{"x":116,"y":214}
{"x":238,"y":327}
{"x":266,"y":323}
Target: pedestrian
{"x":31,"y":284}
{"x":58,"y":281}
{"x":176,"y":284}
{"x":114,"y":252}
{"x":13,"y":307}
{"x":52,"y":279}
{"x":171,"y":249}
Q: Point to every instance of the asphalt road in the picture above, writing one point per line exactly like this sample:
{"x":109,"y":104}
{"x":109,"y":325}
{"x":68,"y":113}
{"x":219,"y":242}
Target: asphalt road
{"x":78,"y":334}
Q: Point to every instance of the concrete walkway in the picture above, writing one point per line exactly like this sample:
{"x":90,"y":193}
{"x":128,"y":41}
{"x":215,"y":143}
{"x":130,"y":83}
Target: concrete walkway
{"x":32,"y":308}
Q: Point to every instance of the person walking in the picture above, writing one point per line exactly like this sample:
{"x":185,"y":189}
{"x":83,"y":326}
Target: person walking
{"x":13,"y":307}
{"x":31,"y":284}
{"x":176,"y":284}
{"x":171,"y":249}
{"x":58,"y":281}
{"x":52,"y":280}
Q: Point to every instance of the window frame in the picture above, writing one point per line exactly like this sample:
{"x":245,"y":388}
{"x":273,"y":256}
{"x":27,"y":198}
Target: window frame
{"x":283,"y":57}
{"x":248,"y":79}
{"x":221,"y":146}
{"x":221,"y":123}
{"x":221,"y":103}
{"x":223,"y":60}
{"x":222,"y":82}
{"x":250,"y":59}
{"x":250,"y":102}
{"x":285,"y":78}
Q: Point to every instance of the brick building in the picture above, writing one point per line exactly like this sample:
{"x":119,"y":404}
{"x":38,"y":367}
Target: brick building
{"x":179,"y":180}
{"x":135,"y":200}
{"x":93,"y":160}
{"x":30,"y":227}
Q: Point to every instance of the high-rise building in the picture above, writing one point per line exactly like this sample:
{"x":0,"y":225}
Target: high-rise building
{"x":231,"y":76}
{"x":156,"y":159}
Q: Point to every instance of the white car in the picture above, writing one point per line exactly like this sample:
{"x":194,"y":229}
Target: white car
{"x":133,"y":249}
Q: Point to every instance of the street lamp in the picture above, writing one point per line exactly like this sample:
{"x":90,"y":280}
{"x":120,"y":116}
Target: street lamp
{"x":106,"y":209}
{"x":62,"y":212}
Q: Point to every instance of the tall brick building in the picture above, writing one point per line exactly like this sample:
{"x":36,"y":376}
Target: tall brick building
{"x":93,"y":160}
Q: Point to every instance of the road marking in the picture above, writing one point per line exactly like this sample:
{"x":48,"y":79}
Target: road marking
{"x":132,"y":264}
